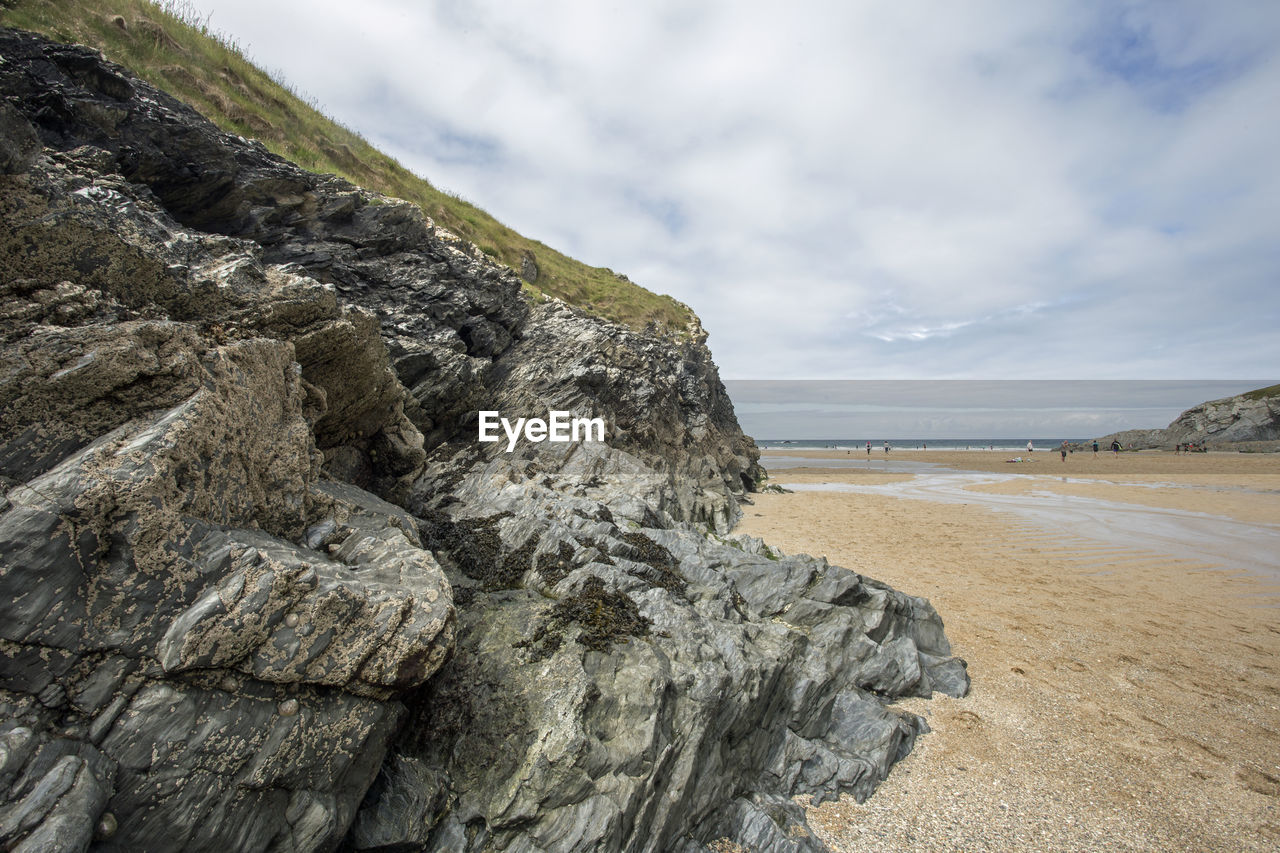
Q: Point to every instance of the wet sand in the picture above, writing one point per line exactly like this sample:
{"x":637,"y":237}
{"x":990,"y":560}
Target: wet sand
{"x":1124,"y":697}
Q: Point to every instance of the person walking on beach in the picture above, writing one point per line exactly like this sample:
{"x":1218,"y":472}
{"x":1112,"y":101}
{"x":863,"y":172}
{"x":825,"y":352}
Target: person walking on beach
{"x":868,"y":450}
{"x":1063,"y":451}
{"x":1095,"y":447}
{"x":886,"y":447}
{"x":1115,"y":447}
{"x":1030,"y":449}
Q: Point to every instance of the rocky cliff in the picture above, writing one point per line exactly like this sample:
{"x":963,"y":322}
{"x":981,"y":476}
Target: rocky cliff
{"x":1239,"y":421}
{"x":261,"y":588}
{"x":1246,"y":417}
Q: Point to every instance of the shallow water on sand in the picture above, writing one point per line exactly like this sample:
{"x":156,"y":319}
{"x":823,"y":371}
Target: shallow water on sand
{"x":1183,"y":534}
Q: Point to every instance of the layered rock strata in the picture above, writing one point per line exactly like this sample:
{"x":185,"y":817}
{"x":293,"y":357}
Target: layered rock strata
{"x":262,"y":589}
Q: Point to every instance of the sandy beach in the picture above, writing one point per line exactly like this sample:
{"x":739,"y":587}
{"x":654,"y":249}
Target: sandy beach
{"x":1126,"y":690}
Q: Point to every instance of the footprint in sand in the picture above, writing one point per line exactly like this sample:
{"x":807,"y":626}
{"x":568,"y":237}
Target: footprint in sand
{"x":1258,"y":782}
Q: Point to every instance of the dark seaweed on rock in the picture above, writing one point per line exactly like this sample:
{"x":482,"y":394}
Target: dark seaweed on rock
{"x":601,"y":547}
{"x":553,"y":568}
{"x":602,"y":616}
{"x":475,"y":548}
{"x":662,"y":567}
{"x":605,"y":617}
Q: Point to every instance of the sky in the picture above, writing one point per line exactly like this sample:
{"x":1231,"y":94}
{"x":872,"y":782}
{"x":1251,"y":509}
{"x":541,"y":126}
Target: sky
{"x":852,"y":190}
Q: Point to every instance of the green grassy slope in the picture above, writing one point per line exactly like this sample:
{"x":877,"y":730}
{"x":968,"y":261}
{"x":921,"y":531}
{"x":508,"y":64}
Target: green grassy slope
{"x":160,"y":44}
{"x":1263,"y":393}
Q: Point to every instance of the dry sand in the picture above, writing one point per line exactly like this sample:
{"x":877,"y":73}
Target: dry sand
{"x":1121,"y":699}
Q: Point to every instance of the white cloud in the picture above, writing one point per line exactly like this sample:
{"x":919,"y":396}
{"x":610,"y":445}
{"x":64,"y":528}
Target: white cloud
{"x":853,"y":189}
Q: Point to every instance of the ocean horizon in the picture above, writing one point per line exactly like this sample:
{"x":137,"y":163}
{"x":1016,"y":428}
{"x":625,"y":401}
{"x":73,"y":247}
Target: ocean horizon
{"x":951,"y":413}
{"x":900,"y":444}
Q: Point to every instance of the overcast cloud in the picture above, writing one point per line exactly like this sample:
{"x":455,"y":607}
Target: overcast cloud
{"x":853,"y":189}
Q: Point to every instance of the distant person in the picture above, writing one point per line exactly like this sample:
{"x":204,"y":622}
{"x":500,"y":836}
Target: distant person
{"x":1095,"y":447}
{"x":1063,"y":451}
{"x":868,"y":449}
{"x":1030,"y":448}
{"x":1115,"y":447}
{"x":886,"y":447}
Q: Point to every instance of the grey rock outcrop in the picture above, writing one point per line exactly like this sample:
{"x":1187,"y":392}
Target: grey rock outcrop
{"x":262,"y":589}
{"x":623,"y":682}
{"x":1135,"y":439}
{"x":1239,"y":421}
{"x":185,"y":662}
{"x":1245,"y":417}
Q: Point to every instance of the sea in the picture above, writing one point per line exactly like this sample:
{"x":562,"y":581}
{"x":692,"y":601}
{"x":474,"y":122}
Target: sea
{"x":877,"y":444}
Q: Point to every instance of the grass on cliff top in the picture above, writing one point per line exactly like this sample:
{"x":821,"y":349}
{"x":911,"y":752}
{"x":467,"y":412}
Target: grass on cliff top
{"x":1262,"y":393}
{"x":168,"y":46}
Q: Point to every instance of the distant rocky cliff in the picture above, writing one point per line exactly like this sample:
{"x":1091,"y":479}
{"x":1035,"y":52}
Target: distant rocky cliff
{"x":1245,"y":419}
{"x":262,"y":589}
